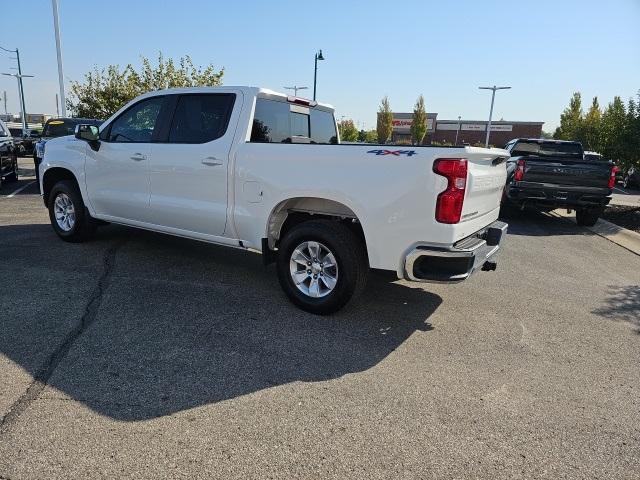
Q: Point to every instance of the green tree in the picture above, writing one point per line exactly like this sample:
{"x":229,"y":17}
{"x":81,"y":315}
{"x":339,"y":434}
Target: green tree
{"x":571,"y":120}
{"x":591,"y":127}
{"x":105,"y":90}
{"x":419,"y":124}
{"x":372,"y":136}
{"x":348,"y":131}
{"x":385,"y":121}
{"x":631,"y":135}
{"x":612,"y":131}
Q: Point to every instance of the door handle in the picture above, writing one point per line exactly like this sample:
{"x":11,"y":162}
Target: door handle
{"x":138,"y":157}
{"x":211,"y":161}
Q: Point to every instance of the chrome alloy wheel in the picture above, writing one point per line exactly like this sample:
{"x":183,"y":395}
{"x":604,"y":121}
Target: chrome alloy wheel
{"x":314,"y":269}
{"x":64,"y":212}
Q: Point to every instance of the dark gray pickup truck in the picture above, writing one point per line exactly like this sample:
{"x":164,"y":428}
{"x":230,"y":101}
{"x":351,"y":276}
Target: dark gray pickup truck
{"x":548,"y":174}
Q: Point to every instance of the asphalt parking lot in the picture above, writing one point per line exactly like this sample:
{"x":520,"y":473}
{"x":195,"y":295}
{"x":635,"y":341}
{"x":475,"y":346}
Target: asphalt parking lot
{"x":138,"y":355}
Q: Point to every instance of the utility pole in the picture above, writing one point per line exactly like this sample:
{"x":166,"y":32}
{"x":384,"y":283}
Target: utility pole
{"x":57,"y":106}
{"x":19,"y":76}
{"x":4,"y":97}
{"x":295,"y":89}
{"x":493,"y":96}
{"x":56,"y":27}
{"x":458,"y":130}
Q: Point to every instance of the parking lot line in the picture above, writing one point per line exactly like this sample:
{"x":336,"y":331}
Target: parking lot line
{"x":14,"y":193}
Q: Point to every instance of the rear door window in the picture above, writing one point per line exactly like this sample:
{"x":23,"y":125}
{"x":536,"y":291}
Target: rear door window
{"x":201,"y":118}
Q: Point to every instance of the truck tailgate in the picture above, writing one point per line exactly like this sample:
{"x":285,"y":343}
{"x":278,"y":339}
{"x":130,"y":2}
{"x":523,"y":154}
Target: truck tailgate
{"x":566,"y":172}
{"x":486,"y":176}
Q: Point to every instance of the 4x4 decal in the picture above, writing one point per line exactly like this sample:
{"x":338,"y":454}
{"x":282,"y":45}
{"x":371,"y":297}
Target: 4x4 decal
{"x":393,"y":152}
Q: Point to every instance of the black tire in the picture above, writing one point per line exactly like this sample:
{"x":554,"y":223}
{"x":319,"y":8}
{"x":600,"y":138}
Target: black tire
{"x":587,"y":217}
{"x":351,"y":259}
{"x":13,"y":176}
{"x":84,"y":226}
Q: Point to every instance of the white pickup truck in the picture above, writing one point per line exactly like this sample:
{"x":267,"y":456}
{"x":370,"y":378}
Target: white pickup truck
{"x":254,"y":169}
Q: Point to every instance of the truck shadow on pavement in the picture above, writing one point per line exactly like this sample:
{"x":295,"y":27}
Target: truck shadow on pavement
{"x":155,"y":325}
{"x":623,"y":305}
{"x":533,"y":223}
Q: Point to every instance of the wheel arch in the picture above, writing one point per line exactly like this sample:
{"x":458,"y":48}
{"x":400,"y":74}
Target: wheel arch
{"x":52,"y":176}
{"x":292,"y":211}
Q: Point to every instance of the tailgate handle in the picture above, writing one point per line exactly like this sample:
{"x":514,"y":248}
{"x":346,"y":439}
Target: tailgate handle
{"x":498,"y":160}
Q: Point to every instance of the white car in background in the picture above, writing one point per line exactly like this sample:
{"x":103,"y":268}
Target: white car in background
{"x":253,"y":169}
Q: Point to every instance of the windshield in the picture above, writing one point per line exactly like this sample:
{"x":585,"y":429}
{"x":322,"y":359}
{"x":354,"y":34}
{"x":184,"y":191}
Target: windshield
{"x":551,"y":149}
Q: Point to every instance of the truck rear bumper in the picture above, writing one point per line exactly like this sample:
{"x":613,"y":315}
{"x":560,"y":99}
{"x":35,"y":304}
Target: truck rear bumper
{"x":558,"y":196}
{"x":455,"y":264}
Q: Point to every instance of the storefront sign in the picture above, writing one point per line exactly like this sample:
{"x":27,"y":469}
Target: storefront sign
{"x":474,"y":127}
{"x":404,"y":124}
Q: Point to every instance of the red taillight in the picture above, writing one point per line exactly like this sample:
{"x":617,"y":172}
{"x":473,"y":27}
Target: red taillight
{"x":449,"y":204}
{"x":612,"y":177}
{"x":519,"y":173}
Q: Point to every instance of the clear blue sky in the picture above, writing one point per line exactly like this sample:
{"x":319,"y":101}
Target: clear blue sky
{"x":544,"y":49}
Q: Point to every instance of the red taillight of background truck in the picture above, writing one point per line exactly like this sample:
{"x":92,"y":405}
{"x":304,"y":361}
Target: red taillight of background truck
{"x":519,"y":173}
{"x":449,"y":204}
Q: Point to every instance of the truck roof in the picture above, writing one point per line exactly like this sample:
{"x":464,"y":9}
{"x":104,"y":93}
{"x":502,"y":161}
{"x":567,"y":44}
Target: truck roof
{"x":252,"y":91}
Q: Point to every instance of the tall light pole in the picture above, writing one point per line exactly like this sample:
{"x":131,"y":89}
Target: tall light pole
{"x":458,"y":130}
{"x":56,"y":27}
{"x":493,"y":96}
{"x":315,"y":72}
{"x":295,"y":89}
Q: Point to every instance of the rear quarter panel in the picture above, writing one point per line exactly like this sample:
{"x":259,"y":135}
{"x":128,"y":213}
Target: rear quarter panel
{"x":393,"y":196}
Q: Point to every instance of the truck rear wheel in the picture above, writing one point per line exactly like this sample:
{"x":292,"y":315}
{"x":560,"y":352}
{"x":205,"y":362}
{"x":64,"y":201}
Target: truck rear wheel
{"x":321,"y":265}
{"x":587,"y":217}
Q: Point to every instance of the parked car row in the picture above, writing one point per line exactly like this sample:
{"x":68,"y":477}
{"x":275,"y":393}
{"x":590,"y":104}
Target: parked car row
{"x":8,"y":156}
{"x":246,"y":180}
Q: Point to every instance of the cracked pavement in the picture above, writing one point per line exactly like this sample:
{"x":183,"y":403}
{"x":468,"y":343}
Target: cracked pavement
{"x":138,"y":355}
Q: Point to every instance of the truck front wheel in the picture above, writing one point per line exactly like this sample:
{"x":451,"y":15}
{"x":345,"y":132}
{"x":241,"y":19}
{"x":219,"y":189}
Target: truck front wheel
{"x":587,"y":217}
{"x":69,"y":217}
{"x":321,"y":265}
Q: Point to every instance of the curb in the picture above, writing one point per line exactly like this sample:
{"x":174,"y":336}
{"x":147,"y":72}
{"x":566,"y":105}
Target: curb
{"x":620,"y":236}
{"x":624,"y":203}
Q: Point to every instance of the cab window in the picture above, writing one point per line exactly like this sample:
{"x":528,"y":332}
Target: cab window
{"x":137,"y":123}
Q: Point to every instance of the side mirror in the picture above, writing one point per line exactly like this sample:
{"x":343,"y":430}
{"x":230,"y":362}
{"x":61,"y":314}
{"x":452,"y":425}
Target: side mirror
{"x":88,"y":133}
